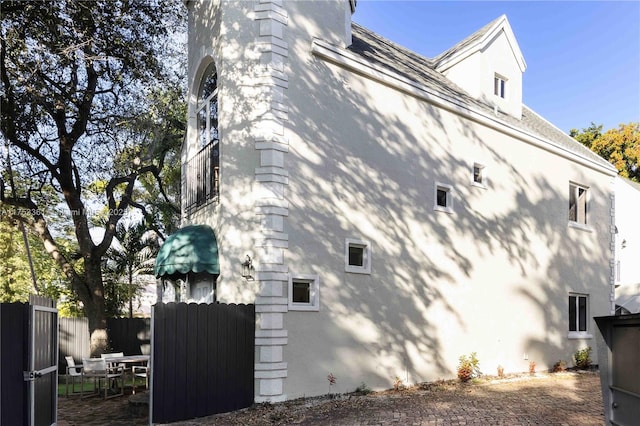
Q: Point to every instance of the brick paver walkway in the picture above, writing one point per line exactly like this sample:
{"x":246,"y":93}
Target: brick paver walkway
{"x":554,"y":399}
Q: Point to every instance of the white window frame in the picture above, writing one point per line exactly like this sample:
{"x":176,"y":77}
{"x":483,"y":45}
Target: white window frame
{"x":366,"y":256}
{"x":204,"y":105}
{"x":500,"y":86}
{"x":483,"y":174}
{"x":579,"y":334}
{"x":579,"y":222}
{"x":449,"y":197}
{"x":314,"y":292}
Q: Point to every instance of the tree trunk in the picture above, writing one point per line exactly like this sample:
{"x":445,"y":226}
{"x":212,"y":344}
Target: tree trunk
{"x":94,"y":306}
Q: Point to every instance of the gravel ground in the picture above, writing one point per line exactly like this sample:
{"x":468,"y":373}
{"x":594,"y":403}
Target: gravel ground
{"x":569,"y":398}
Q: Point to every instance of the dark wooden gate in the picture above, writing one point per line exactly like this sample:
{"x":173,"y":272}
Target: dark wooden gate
{"x":29,"y":371}
{"x":202,"y":360}
{"x":619,"y":363}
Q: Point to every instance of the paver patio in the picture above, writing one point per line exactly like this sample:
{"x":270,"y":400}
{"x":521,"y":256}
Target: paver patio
{"x":572,"y":398}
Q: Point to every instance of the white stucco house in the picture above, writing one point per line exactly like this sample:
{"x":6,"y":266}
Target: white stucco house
{"x":627,"y":249}
{"x":386,"y":212}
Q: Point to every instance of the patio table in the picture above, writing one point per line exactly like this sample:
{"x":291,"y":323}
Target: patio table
{"x":130,"y":359}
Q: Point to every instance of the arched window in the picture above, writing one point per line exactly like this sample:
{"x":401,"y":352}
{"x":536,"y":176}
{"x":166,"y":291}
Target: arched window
{"x":207,"y":107}
{"x":203,"y":169}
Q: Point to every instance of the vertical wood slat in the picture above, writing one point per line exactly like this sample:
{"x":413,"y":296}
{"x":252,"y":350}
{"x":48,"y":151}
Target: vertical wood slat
{"x":14,"y":341}
{"x":203,"y":360}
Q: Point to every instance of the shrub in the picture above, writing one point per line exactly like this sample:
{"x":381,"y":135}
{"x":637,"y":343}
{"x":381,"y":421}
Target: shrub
{"x":559,"y":366}
{"x":397,"y":384}
{"x":363,"y":389}
{"x":583,"y":358}
{"x":468,"y":367}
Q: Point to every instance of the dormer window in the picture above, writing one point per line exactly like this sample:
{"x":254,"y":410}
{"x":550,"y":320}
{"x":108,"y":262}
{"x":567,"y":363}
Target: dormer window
{"x":500,"y":86}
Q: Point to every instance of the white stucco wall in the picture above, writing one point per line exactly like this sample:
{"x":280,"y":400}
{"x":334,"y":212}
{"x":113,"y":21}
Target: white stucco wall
{"x":627,"y":244}
{"x":475,"y":74}
{"x":493,"y":277}
{"x":349,"y":157}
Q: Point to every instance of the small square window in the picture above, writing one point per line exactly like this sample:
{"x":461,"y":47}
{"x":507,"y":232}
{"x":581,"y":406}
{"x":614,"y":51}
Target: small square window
{"x":577,"y":204}
{"x":443,"y":198}
{"x":500,"y":86}
{"x":301,"y":292}
{"x":357,"y":256}
{"x":304,"y":292}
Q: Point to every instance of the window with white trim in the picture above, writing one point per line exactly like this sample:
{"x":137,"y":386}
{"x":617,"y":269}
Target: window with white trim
{"x":357,"y":256}
{"x":578,"y":204}
{"x":500,"y":86}
{"x":443,"y":195}
{"x":479,"y":175}
{"x":578,"y":315}
{"x":304,"y":292}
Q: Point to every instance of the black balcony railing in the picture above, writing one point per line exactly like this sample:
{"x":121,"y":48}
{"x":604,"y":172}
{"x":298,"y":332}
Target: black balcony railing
{"x":203,"y":177}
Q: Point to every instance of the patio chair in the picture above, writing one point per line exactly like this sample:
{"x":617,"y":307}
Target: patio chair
{"x":75,"y":372}
{"x":97,"y":370}
{"x":140,"y":371}
{"x":112,"y":355}
{"x":106,"y":357}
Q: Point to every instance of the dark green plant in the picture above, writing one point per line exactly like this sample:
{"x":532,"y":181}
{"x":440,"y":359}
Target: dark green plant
{"x":363,"y":389}
{"x":582,"y":358}
{"x":468,"y":367}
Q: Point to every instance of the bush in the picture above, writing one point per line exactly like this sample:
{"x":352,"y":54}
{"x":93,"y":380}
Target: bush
{"x":468,"y":367}
{"x":559,"y":366}
{"x":583,"y":358}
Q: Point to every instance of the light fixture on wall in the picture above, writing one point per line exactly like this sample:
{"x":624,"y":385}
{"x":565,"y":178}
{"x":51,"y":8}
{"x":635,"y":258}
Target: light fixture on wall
{"x":247,"y":268}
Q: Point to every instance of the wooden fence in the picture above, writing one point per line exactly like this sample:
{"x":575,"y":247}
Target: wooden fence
{"x":203,"y":360}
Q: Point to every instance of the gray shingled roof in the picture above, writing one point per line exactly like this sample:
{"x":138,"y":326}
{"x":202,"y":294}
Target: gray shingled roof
{"x":412,"y":66}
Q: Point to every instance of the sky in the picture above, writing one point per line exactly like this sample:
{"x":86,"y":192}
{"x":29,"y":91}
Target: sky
{"x":583,"y":57}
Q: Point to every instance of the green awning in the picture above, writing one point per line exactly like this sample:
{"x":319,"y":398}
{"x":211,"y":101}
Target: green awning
{"x":191,"y":249}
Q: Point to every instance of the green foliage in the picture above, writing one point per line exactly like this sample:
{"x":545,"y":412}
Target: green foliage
{"x":132,"y":256}
{"x":363,"y":389}
{"x":582,"y":358}
{"x":468,"y":367}
{"x":16,"y":283}
{"x":87,"y":113}
{"x":621,"y":146}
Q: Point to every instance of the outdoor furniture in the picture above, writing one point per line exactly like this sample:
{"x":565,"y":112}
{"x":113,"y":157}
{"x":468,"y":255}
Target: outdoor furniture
{"x":130,"y":359}
{"x":103,"y":375}
{"x":75,"y":372}
{"x":107,"y":357}
{"x":140,"y":371}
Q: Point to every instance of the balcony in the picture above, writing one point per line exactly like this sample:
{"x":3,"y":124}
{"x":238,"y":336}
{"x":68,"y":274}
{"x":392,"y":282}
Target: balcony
{"x":203,"y":177}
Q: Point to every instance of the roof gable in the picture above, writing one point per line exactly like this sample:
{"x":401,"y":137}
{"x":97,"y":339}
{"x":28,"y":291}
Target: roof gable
{"x":480,"y":41}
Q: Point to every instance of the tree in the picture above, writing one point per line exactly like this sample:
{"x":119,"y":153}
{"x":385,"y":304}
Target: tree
{"x":75,"y":101}
{"x":133,"y":257}
{"x":621,"y":146}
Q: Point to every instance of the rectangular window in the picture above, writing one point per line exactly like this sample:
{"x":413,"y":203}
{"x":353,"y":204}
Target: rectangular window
{"x":443,"y":198}
{"x":577,"y":204}
{"x":578,"y":315}
{"x":301,"y":291}
{"x":479,"y":177}
{"x":500,"y":86}
{"x":357,"y":256}
{"x":304,"y":292}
